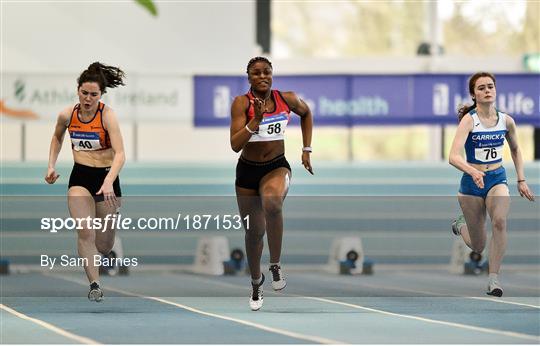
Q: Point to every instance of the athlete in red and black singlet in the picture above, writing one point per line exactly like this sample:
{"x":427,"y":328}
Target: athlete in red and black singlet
{"x":258,"y":123}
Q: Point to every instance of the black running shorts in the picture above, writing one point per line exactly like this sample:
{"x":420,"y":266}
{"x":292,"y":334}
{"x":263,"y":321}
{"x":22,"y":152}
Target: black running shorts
{"x":249,"y":173}
{"x":91,"y":178}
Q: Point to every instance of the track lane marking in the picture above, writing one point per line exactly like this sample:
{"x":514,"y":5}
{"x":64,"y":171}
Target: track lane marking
{"x":314,"y":339}
{"x":48,"y":326}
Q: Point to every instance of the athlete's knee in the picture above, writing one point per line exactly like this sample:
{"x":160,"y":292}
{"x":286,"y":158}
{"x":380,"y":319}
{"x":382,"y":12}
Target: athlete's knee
{"x":77,"y":193}
{"x":85,"y":242}
{"x":272,"y":205}
{"x":498,"y":224}
{"x":104,"y":247}
{"x":254,"y":236}
{"x":86,"y":236}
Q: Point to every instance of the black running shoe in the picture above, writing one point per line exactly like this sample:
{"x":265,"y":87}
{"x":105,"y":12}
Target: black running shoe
{"x":494,"y":289}
{"x":95,"y":294}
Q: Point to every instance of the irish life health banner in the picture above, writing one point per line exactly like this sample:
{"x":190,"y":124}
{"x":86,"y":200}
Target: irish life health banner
{"x":373,"y":99}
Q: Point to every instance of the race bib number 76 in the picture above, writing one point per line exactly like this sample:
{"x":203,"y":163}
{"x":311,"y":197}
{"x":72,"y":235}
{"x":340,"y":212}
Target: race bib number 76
{"x":488,"y":154}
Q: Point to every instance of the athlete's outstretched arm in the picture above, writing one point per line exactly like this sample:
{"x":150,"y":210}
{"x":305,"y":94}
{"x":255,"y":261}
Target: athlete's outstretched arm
{"x":455,"y":157}
{"x":240,"y":134}
{"x":512,"y":139}
{"x":298,"y":106}
{"x":57,"y":140}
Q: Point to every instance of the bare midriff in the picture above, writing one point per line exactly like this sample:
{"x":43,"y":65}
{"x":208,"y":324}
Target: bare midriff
{"x":263,"y":151}
{"x":486,"y":167}
{"x":98,"y":158}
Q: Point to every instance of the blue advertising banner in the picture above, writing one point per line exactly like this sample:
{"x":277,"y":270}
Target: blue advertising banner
{"x":348,"y":100}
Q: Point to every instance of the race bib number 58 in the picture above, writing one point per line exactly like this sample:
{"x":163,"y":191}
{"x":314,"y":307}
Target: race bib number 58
{"x":273,"y":126}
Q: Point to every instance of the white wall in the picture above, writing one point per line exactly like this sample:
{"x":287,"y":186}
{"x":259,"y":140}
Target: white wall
{"x":10,"y":141}
{"x":174,"y":142}
{"x":192,"y":36}
{"x":47,"y":44}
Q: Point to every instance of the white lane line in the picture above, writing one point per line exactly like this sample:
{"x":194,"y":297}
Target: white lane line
{"x":452,"y":324}
{"x":500,"y":300}
{"x":46,"y":325}
{"x":428,"y":320}
{"x":429,"y":293}
{"x":496,"y":300}
{"x":314,"y":339}
{"x":310,"y":338}
{"x":355,"y":284}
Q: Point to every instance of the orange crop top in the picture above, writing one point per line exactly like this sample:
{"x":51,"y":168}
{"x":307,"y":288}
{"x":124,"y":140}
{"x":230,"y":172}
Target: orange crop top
{"x":91,"y":135}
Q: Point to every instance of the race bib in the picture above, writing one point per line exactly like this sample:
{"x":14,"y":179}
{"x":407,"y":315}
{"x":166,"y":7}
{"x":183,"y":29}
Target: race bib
{"x":488,"y":154}
{"x":273,"y":126}
{"x":85,"y":141}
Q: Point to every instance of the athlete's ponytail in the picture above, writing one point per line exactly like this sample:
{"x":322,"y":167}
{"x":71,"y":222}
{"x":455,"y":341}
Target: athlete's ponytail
{"x":105,"y":76}
{"x":466,"y":108}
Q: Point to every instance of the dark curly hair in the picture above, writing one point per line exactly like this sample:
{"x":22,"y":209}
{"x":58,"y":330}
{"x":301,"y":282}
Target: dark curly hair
{"x":256,"y":59}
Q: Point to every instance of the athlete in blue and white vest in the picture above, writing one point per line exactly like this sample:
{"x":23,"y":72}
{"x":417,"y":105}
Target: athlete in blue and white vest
{"x":484,"y":144}
{"x":484,"y":187}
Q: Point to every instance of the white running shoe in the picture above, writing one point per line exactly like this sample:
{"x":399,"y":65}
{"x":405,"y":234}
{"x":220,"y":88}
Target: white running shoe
{"x":256,"y":298}
{"x":95,"y":294}
{"x":457,"y":224}
{"x":278,"y":280}
{"x":494,"y":289}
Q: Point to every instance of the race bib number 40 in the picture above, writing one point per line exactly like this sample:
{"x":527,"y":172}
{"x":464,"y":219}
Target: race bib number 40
{"x":84,"y":141}
{"x":488,"y":154}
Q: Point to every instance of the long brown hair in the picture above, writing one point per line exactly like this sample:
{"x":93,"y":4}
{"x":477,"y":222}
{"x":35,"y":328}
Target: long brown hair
{"x":105,"y":76}
{"x":466,"y":108}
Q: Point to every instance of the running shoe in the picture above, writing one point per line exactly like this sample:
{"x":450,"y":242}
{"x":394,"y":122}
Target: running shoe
{"x":494,"y":289}
{"x":256,"y":298}
{"x":457,"y":224}
{"x":278,"y":280}
{"x":95,"y":294}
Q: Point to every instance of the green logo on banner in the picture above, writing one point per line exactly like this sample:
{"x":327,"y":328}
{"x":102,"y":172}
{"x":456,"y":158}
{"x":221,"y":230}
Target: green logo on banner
{"x":19,"y":90}
{"x":531,"y":62}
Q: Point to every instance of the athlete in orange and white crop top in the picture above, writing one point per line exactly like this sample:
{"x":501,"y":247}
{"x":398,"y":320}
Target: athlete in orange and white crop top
{"x":91,"y":135}
{"x":98,"y":155}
